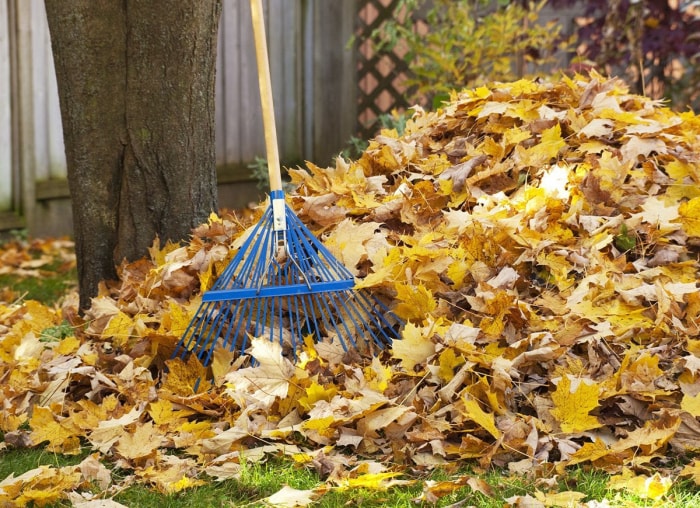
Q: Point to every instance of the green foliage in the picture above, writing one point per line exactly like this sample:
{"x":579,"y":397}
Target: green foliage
{"x":57,"y":333}
{"x":19,"y":235}
{"x":467,"y":43}
{"x":50,"y":288}
{"x":625,"y":240}
{"x":260,"y":174}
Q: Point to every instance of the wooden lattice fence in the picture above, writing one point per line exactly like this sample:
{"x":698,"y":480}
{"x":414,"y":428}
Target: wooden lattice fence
{"x":380,"y":75}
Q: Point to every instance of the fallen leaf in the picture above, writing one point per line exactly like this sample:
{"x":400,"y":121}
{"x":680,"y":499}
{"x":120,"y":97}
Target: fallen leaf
{"x":288,"y":497}
{"x":414,"y":348}
{"x":573,"y":405}
{"x":646,"y":487}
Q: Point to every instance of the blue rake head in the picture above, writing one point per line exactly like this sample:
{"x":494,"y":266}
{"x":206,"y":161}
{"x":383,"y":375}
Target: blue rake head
{"x":284,"y":284}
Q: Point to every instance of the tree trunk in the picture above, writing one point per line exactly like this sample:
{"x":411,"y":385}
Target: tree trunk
{"x":136,"y":89}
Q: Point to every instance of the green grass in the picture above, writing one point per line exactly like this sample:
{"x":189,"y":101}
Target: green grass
{"x":47,"y":290}
{"x":19,"y":461}
{"x":56,"y":279}
{"x":262,"y":479}
{"x":257,"y":481}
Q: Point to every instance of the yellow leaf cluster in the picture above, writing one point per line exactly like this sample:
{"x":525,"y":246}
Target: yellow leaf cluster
{"x":538,"y":241}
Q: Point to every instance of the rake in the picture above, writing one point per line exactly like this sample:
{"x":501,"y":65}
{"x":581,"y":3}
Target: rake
{"x":283,"y":283}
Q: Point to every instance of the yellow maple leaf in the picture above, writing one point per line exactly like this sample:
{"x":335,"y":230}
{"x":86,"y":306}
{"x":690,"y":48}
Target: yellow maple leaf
{"x":120,"y":328}
{"x":186,"y":378}
{"x":207,"y":278}
{"x":589,"y":452}
{"x":459,"y":268}
{"x":46,"y":428}
{"x":174,"y":319}
{"x":416,"y":302}
{"x":11,"y":486}
{"x":525,"y":86}
{"x":184,"y":483}
{"x":473,"y":411}
{"x":196,"y":430}
{"x":628,"y":117}
{"x":571,"y":407}
{"x":221,"y":363}
{"x":29,"y":350}
{"x":372,"y":481}
{"x":481,"y":92}
{"x":10,"y":422}
{"x":653,"y":436}
{"x":323,"y":426}
{"x":39,"y":316}
{"x":641,"y":376}
{"x":67,"y":346}
{"x":646,"y":487}
{"x":691,"y":404}
{"x":689,"y":212}
{"x":565,"y":498}
{"x":317,"y":392}
{"x":161,"y":411}
{"x":622,"y":316}
{"x":379,"y":375}
{"x":348,"y":242}
{"x":448,"y":362}
{"x":687,"y":177}
{"x":387,"y":267}
{"x":499,"y":303}
{"x":41,"y":486}
{"x":515,"y":135}
{"x":88,"y":414}
{"x":140,"y":443}
{"x":414,"y":348}
{"x":492,"y":326}
{"x":543,"y":152}
{"x":384,"y":159}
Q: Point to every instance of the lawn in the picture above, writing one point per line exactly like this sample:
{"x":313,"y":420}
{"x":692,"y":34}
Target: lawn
{"x":459,"y":488}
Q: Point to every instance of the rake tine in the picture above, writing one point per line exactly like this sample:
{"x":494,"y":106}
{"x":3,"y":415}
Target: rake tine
{"x":282,"y":281}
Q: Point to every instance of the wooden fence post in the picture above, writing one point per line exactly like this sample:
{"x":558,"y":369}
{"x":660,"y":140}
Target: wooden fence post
{"x":21,"y":86}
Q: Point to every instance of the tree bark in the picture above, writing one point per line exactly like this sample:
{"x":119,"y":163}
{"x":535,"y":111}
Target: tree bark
{"x":136,"y":90}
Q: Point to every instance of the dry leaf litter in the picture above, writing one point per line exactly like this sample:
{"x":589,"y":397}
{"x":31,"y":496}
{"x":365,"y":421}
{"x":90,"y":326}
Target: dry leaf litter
{"x":541,"y":242}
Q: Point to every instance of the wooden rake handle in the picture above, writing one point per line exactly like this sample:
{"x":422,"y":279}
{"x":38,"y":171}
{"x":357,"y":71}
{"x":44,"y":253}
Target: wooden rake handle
{"x":265,"y":83}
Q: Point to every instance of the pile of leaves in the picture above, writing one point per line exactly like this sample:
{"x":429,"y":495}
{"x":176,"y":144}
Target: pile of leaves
{"x":540,"y":241}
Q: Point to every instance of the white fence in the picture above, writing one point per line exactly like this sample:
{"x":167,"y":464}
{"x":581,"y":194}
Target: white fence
{"x":313,"y":76}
